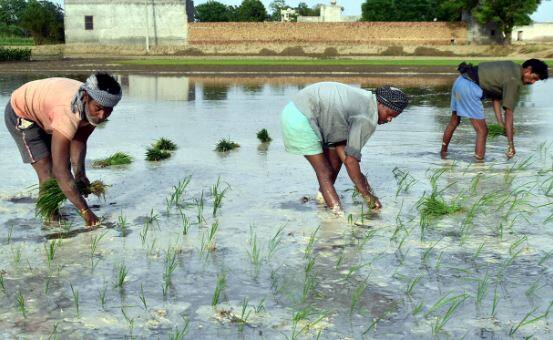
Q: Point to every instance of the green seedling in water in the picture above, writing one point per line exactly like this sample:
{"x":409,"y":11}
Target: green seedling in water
{"x":495,"y":130}
{"x":311,"y":244}
{"x":102,"y":294}
{"x":404,"y":180}
{"x":218,"y":195}
{"x":16,"y":255}
{"x":2,"y":283}
{"x":164,"y":144}
{"x":274,"y":243}
{"x":94,"y":242}
{"x":219,"y":287}
{"x":417,"y":309}
{"x":54,"y":333}
{"x":170,"y":264}
{"x":143,"y":297}
{"x":526,"y":320}
{"x":130,"y":321}
{"x":243,"y":319}
{"x":50,"y":251}
{"x":21,"y":304}
{"x":357,"y":294}
{"x":482,"y":288}
{"x":178,"y":192}
{"x":185,"y":222}
{"x":254,"y":252}
{"x":51,"y":197}
{"x":225,"y":145}
{"x":442,"y":320}
{"x":75,"y":299}
{"x":10,"y":234}
{"x":263,"y":136}
{"x":122,"y":224}
{"x":180,"y":334}
{"x":200,"y":209}
{"x":309,"y":280}
{"x":531,"y":291}
{"x":121,"y":276}
{"x":545,"y":258}
{"x":376,"y":320}
{"x":118,"y":158}
{"x":412,"y":284}
{"x":208,"y":238}
{"x":495,"y":302}
{"x":156,"y":155}
{"x":303,"y":315}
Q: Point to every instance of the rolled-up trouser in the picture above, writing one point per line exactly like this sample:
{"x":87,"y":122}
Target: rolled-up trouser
{"x":33,"y":143}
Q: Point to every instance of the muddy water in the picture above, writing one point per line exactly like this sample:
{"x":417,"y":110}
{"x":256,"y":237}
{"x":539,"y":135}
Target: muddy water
{"x":483,"y":272}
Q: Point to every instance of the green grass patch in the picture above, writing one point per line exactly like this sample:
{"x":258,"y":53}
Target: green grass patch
{"x":156,"y":155}
{"x":118,"y":158}
{"x":495,"y":130}
{"x":16,"y":41}
{"x":225,"y":145}
{"x":15,"y":54}
{"x":164,"y":144}
{"x":306,"y":62}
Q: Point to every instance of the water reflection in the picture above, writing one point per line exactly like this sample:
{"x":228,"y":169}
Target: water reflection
{"x":158,"y":88}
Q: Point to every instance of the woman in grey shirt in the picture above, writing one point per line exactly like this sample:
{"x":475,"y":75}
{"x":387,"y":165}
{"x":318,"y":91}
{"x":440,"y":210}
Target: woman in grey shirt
{"x":329,"y":123}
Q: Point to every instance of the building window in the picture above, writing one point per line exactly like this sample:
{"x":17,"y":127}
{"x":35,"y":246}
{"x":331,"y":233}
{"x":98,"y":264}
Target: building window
{"x":88,"y":22}
{"x":492,"y":33}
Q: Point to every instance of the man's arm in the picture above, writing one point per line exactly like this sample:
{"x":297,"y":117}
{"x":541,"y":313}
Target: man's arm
{"x":510,"y":131}
{"x":78,"y":153}
{"x":360,"y":181}
{"x":498,"y":112}
{"x":60,"y":158}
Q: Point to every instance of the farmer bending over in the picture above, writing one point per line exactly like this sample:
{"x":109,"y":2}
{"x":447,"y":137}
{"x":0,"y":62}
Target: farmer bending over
{"x":329,"y":123}
{"x":51,"y":120}
{"x":498,"y":80}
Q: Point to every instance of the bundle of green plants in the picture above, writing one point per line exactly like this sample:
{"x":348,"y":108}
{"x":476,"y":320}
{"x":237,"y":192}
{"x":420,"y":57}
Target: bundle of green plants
{"x":118,"y":158}
{"x":495,"y":130}
{"x":225,"y":145}
{"x":164,"y":144}
{"x":263,"y":136}
{"x":435,"y":205}
{"x":155,"y":155}
{"x":15,"y":54}
{"x":50,"y":197}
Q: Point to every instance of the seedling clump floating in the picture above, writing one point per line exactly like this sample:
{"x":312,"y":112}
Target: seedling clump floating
{"x":118,"y":158}
{"x":495,"y":130}
{"x":263,"y":136}
{"x":164,"y":144}
{"x":225,"y":145}
{"x":155,"y":155}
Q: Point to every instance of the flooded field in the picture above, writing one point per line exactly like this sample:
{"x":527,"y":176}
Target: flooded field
{"x":212,"y":245}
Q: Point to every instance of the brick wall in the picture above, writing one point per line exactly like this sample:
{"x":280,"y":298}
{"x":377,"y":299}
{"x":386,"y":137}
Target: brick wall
{"x":329,"y":34}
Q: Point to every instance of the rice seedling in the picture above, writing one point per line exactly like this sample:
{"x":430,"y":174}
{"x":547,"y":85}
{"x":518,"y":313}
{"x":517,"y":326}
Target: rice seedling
{"x":10,"y":233}
{"x":219,"y":287}
{"x":156,"y":155}
{"x":495,"y":130}
{"x":144,"y":232}
{"x":50,"y":251}
{"x":16,"y":255}
{"x":417,"y":309}
{"x":548,"y":219}
{"x":122,"y":224}
{"x":142,"y":297}
{"x":185,"y":222}
{"x":94,"y":242}
{"x":478,"y":252}
{"x":304,"y":314}
{"x":122,"y":272}
{"x":545,"y":257}
{"x":2,"y":283}
{"x":309,"y":280}
{"x":54,"y":333}
{"x":118,"y":158}
{"x":21,"y":305}
{"x":243,"y":318}
{"x":311,"y":243}
{"x":412,"y":284}
{"x":435,"y":206}
{"x":404,"y":180}
{"x":517,"y":244}
{"x":169,"y":266}
{"x":255,"y":251}
{"x":164,"y":144}
{"x":263,"y":136}
{"x":428,"y":251}
{"x":51,"y":197}
{"x":441,"y":321}
{"x":130,"y":321}
{"x":178,"y":192}
{"x":376,"y":320}
{"x":357,"y":294}
{"x":208,"y":238}
{"x":75,"y":299}
{"x":218,"y":195}
{"x":260,"y":307}
{"x":274,"y":242}
{"x":526,"y":320}
{"x":495,"y":302}
{"x":482,"y":289}
{"x":225,"y":145}
{"x":102,"y":295}
{"x":179,"y":334}
{"x":534,"y":287}
{"x":152,"y":248}
{"x":200,"y":209}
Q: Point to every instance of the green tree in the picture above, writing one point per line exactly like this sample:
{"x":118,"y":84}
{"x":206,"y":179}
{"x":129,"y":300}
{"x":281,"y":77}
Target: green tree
{"x":214,"y":11}
{"x":304,"y":10}
{"x":378,"y":10}
{"x":506,"y":14}
{"x":252,"y":10}
{"x":276,"y":6}
{"x":44,"y":21}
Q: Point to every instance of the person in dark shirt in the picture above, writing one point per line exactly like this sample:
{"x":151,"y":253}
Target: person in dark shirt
{"x":499,"y":81}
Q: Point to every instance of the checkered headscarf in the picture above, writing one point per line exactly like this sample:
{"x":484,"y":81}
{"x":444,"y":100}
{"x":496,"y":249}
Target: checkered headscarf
{"x":392,"y":97}
{"x":103,"y":98}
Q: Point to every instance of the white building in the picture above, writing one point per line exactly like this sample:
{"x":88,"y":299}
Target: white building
{"x":127,"y":22}
{"x":330,"y":13}
{"x":536,"y":32}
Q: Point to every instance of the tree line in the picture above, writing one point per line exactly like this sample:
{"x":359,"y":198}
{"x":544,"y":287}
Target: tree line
{"x":249,"y":10}
{"x":39,"y":19}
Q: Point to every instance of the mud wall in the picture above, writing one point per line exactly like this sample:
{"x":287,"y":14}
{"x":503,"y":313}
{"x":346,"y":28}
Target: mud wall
{"x":345,"y":37}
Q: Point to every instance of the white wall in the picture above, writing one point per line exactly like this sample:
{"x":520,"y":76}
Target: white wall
{"x":127,"y":22}
{"x":541,"y":31}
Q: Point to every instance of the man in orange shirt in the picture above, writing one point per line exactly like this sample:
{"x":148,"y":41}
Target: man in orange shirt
{"x":51,"y":120}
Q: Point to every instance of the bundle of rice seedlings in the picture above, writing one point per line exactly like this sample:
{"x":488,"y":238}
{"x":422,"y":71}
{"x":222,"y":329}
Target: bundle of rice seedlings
{"x":50,"y":197}
{"x":225,"y":145}
{"x":118,"y":158}
{"x":155,"y":155}
{"x":435,"y":205}
{"x":495,"y":130}
{"x":164,"y":144}
{"x":263,"y":136}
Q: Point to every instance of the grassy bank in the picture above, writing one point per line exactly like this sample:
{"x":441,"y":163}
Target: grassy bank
{"x":306,"y":62}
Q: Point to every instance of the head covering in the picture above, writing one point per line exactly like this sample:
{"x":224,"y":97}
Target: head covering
{"x":103,"y":98}
{"x":392,"y":97}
